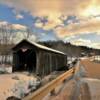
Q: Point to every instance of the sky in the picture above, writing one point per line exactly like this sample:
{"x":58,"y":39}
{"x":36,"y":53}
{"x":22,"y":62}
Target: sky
{"x":74,"y":21}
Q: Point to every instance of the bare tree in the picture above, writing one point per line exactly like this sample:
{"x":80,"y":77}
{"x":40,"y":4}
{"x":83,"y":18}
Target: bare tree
{"x":28,"y":33}
{"x":6,"y":36}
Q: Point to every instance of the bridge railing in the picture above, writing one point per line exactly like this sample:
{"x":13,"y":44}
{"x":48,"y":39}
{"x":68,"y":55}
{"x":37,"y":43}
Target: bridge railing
{"x":43,"y":91}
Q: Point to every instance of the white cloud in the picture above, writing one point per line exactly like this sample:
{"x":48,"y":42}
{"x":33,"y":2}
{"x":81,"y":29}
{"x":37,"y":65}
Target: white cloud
{"x":96,"y":45}
{"x":50,"y":24}
{"x":19,"y":27}
{"x":86,"y":42}
{"x":84,"y":26}
{"x":14,"y":26}
{"x":54,"y":9}
{"x":3,"y":23}
{"x":19,"y":16}
{"x":38,"y":23}
{"x":81,"y":41}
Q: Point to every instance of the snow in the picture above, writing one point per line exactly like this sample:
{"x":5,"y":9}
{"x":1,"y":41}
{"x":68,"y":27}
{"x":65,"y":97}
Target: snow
{"x":4,"y":69}
{"x":16,"y":84}
{"x":43,"y":47}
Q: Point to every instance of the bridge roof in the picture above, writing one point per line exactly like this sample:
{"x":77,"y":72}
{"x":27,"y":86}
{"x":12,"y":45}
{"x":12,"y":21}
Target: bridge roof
{"x":38,"y":46}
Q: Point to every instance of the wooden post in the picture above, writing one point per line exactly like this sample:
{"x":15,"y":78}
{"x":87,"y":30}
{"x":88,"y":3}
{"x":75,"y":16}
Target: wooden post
{"x":50,"y":64}
{"x":14,"y":61}
{"x":56,"y":64}
{"x":52,"y":92}
{"x":37,"y":62}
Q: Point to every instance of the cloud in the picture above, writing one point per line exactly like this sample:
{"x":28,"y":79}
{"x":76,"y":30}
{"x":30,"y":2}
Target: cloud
{"x":19,"y":27}
{"x":3,"y":23}
{"x":14,"y":26}
{"x":87,"y":13}
{"x":51,"y":8}
{"x":48,"y":23}
{"x":38,"y":23}
{"x":85,"y":42}
{"x":19,"y":16}
{"x":93,"y":9}
{"x":84,"y":26}
{"x":81,"y":41}
{"x":54,"y":9}
{"x":95,"y":45}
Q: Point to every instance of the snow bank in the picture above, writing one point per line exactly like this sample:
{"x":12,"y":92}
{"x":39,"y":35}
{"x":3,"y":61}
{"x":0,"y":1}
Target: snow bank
{"x":16,"y":84}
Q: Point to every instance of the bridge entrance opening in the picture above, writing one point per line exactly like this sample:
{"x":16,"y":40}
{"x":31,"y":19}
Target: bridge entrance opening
{"x":26,"y":60}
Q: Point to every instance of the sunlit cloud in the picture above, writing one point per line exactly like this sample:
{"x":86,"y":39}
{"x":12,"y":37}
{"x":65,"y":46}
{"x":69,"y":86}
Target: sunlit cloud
{"x":92,"y":9}
{"x":51,"y":8}
{"x":83,"y":27}
{"x":19,"y":27}
{"x":86,"y":12}
{"x":84,"y":42}
{"x":13,"y":26}
{"x":81,"y":42}
{"x":19,"y":16}
{"x":55,"y":8}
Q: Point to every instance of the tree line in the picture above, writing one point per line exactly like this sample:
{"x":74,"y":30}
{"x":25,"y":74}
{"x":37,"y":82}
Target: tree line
{"x":7,"y":35}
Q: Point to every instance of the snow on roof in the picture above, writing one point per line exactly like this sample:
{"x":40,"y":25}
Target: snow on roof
{"x":43,"y":47}
{"x":47,"y":48}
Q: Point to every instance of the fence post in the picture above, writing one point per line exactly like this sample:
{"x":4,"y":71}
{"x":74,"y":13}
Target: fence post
{"x":52,"y":92}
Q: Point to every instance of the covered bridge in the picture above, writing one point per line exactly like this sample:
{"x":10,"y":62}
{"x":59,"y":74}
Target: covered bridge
{"x":36,"y":58}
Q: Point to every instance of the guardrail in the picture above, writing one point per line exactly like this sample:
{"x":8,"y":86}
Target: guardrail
{"x":43,"y":91}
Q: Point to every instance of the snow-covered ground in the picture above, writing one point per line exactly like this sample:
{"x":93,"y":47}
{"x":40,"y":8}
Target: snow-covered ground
{"x":4,"y":69}
{"x":84,"y":85}
{"x":16,"y":84}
